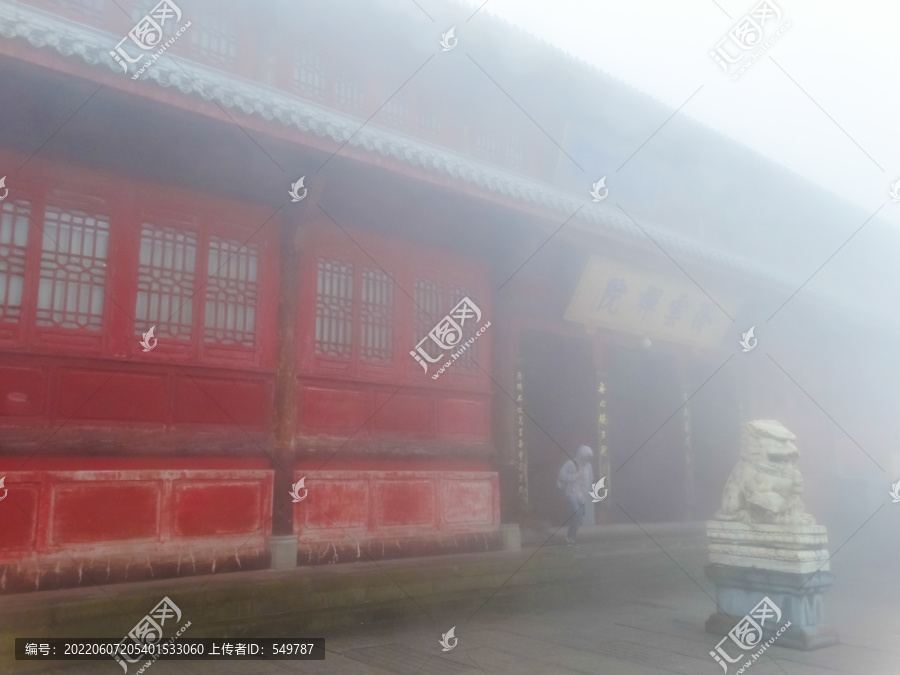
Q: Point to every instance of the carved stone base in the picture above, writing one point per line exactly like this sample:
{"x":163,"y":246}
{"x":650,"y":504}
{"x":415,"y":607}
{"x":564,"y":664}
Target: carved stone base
{"x":512,"y":537}
{"x":801,"y":549}
{"x":799,"y":596}
{"x":284,"y":552}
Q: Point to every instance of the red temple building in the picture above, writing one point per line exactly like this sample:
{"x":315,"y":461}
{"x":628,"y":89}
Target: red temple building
{"x":301,"y":338}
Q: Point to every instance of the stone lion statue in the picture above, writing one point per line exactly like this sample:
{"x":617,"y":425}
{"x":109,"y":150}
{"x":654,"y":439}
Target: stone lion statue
{"x":765,"y":486}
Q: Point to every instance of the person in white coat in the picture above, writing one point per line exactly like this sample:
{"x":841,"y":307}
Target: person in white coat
{"x":574,"y":479}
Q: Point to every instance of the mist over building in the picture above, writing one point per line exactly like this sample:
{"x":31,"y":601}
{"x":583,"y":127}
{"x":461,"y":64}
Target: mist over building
{"x":395,"y":278}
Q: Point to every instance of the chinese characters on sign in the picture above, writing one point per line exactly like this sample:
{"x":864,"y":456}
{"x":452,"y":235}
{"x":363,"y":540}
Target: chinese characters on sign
{"x":747,"y":36}
{"x":146,"y":35}
{"x":520,"y":443}
{"x":614,"y":295}
{"x":688,"y":452}
{"x":448,"y":333}
{"x":602,"y":422}
{"x":615,"y":289}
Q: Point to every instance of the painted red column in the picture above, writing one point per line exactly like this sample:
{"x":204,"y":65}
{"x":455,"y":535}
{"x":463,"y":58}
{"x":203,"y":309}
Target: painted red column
{"x":294,"y":215}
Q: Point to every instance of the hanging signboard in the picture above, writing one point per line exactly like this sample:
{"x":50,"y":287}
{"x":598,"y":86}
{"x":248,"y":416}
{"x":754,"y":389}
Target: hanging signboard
{"x":622,"y":297}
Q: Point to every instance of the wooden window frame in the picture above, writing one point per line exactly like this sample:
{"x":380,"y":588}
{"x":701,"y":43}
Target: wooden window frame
{"x":403,"y":261}
{"x":207,"y":218}
{"x":128,"y":204}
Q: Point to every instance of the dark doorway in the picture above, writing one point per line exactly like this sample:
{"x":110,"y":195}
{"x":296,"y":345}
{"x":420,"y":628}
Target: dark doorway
{"x":560,"y":394}
{"x":716,"y":436}
{"x":646,"y":441}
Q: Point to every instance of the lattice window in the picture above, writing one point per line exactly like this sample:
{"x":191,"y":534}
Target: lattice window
{"x":231,"y":293}
{"x":429,"y":309}
{"x":334,"y":309}
{"x":13,"y":240}
{"x":515,"y":153}
{"x":73,"y":269}
{"x":377,"y":316}
{"x":92,"y":9}
{"x":396,"y":112}
{"x":309,"y":73}
{"x":467,"y":360}
{"x":214,"y":38}
{"x":429,"y":122}
{"x":348,"y":92}
{"x":488,"y":147}
{"x":165,"y":281}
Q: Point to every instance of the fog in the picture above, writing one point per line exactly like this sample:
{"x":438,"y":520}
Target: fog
{"x":401,"y":260}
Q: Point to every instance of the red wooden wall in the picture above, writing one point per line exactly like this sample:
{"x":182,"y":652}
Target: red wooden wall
{"x":395,"y":504}
{"x":72,"y":521}
{"x":341,"y":390}
{"x":88,"y":366}
{"x":77,"y":358}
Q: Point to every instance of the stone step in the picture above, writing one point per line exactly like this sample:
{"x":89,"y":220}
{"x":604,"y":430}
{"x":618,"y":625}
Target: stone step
{"x":301,"y":601}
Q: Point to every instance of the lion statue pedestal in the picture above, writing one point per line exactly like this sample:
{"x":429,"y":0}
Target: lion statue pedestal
{"x":764,"y":543}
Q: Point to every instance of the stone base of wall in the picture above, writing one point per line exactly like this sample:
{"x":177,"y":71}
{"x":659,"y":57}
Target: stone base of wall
{"x":342,"y":551}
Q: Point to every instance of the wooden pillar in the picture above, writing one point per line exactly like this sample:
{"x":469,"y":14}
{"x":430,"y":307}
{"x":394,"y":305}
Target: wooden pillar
{"x":505,"y":365}
{"x":684,"y":380}
{"x":293,"y":221}
{"x":601,"y":510}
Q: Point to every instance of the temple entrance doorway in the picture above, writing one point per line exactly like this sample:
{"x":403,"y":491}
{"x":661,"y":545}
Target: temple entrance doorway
{"x":646,"y":433}
{"x":560,"y":396}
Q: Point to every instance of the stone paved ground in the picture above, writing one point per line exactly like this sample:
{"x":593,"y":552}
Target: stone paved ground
{"x":646,"y":618}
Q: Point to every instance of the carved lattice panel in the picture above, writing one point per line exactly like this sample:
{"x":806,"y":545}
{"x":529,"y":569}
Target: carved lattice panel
{"x":467,"y":360}
{"x":165,"y":283}
{"x":428,"y":310}
{"x":309,"y":73}
{"x":348,"y":91}
{"x":73,"y":269}
{"x":395,"y":110}
{"x":214,"y":38}
{"x":334,"y":309}
{"x":377,"y":316}
{"x":13,"y":241}
{"x":429,"y":122}
{"x":232,"y":293}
